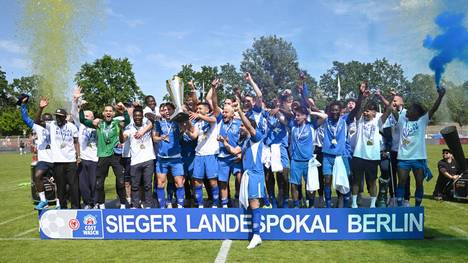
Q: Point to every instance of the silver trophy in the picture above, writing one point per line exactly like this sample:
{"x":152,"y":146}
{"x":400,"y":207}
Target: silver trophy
{"x":175,"y":87}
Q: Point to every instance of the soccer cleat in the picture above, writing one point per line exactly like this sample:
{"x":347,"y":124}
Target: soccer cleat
{"x":267,"y":206}
{"x":169,"y":205}
{"x":354,"y":206}
{"x":87,"y":207}
{"x":41,"y":205}
{"x":214,"y":206}
{"x":255,"y":241}
{"x":180,"y":206}
{"x":406,"y":203}
{"x":122,"y":206}
{"x":102,"y":206}
{"x":225,"y":206}
{"x":200,"y":206}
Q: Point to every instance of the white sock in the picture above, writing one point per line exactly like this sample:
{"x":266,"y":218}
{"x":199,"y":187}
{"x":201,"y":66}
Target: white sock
{"x":57,"y":202}
{"x":372,"y":201}
{"x":354,"y":197}
{"x":42,"y":196}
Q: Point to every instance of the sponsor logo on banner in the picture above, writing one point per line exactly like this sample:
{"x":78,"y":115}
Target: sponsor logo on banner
{"x":276,"y":224}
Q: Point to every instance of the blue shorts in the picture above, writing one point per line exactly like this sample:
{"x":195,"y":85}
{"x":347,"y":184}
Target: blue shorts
{"x":226,"y":165}
{"x":256,"y":185}
{"x":284,"y":157}
{"x":329,"y":161}
{"x":41,"y":165}
{"x":299,"y":170}
{"x":412,"y":164}
{"x":174,"y":165}
{"x":205,"y":165}
{"x":188,"y":165}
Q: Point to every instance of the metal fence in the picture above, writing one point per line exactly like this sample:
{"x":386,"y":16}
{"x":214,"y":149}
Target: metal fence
{"x":12,"y":143}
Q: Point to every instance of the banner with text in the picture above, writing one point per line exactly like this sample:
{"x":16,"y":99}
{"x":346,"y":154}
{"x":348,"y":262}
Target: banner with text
{"x":233,"y":223}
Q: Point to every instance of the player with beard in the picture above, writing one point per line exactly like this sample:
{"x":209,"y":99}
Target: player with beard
{"x":168,"y":135}
{"x":335,"y":142}
{"x":107,"y":132}
{"x":65,"y":155}
{"x":206,"y":130}
{"x":412,"y":154}
{"x":88,"y":149}
{"x":142,"y":158}
{"x":44,"y":155}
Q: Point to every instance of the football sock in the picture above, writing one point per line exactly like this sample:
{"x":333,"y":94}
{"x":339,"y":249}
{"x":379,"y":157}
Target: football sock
{"x":180,"y":192}
{"x":199,"y":195}
{"x":418,"y":195}
{"x":161,"y":197}
{"x":256,"y":221}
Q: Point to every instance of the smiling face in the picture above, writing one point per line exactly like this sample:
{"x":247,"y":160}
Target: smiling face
{"x":397,"y":102}
{"x":150,"y":102}
{"x":108,"y":113}
{"x":228,"y":113}
{"x":138,"y":118}
{"x":300,"y":117}
{"x":61,"y":120}
{"x":89,"y":115}
{"x":334,"y":112}
{"x":202,"y":109}
{"x":368,"y":114}
{"x":248,"y":103}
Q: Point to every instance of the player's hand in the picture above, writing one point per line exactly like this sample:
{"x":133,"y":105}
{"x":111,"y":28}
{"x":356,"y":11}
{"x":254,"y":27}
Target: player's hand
{"x":44,"y":102}
{"x":138,"y":135}
{"x":120,"y":107}
{"x":194,"y":116}
{"x":215,"y":83}
{"x":441,"y":90}
{"x":248,"y":77}
{"x":165,"y":137}
{"x":77,"y":93}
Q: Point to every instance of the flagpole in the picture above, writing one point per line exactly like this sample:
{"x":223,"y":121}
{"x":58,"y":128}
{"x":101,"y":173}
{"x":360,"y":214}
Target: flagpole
{"x":339,"y":89}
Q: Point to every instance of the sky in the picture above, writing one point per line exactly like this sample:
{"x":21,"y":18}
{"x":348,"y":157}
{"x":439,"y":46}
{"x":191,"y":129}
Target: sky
{"x":160,"y":36}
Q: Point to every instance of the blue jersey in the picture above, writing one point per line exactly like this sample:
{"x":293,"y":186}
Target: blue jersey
{"x":259,"y":116}
{"x":276,"y":132}
{"x":171,"y":148}
{"x":302,"y":141}
{"x":231,"y":130}
{"x":252,"y":153}
{"x":335,"y":137}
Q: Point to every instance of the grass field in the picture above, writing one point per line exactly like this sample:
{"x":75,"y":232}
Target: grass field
{"x":446,"y":231}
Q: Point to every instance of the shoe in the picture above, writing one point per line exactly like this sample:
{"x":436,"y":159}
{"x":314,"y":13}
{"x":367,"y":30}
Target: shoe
{"x":255,"y":241}
{"x":354,"y":206}
{"x":102,"y":206}
{"x":214,"y":206}
{"x":169,"y":205}
{"x":267,"y":206}
{"x":225,"y":206}
{"x":122,"y":206}
{"x":200,"y":206}
{"x":406,"y":203}
{"x":57,"y":207}
{"x":87,"y":207}
{"x":41,"y":205}
{"x":180,"y":206}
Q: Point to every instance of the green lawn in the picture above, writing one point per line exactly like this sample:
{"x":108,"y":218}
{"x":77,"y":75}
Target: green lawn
{"x":446,"y":229}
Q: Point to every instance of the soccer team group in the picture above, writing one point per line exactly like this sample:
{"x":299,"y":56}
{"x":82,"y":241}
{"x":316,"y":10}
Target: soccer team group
{"x":285,"y":142}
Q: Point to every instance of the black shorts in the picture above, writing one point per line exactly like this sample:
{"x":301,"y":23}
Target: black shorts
{"x":362,"y":167}
{"x":41,"y":165}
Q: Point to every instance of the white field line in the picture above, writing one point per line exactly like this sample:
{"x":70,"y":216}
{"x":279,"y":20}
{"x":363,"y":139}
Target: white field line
{"x":16,"y":218}
{"x":27,"y":232}
{"x":223,"y":251}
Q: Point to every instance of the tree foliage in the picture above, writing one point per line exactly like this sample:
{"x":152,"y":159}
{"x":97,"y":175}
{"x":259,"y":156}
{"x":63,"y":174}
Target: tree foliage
{"x":380,"y":75}
{"x":108,"y":80}
{"x":457,"y":99}
{"x":272,"y":61}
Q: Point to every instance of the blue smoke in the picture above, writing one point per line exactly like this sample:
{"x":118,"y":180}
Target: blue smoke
{"x":451,"y":44}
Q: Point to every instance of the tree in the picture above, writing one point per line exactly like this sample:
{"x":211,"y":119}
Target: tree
{"x":422,"y":90}
{"x":457,"y":99}
{"x":273,"y":64}
{"x":380,"y":75}
{"x":4,"y":92}
{"x":108,"y":80}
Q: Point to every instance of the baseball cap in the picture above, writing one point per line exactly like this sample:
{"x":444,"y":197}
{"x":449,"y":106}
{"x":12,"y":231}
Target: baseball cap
{"x":61,"y":112}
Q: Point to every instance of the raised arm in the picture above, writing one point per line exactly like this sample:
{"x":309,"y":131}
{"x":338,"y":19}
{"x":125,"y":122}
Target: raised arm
{"x":214,"y":97}
{"x":357,"y":111}
{"x":258,"y":92}
{"x":24,"y":115}
{"x":88,"y":123}
{"x":251,"y":130}
{"x":42,"y":104}
{"x":441,"y":92}
{"x":382,"y":98}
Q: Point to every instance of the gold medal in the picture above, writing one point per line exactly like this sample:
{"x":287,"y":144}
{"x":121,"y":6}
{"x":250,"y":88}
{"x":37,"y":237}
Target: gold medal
{"x":334,"y":142}
{"x":90,"y":145}
{"x":62,"y":145}
{"x":370,"y":142}
{"x":142,"y":146}
{"x":406,"y":141}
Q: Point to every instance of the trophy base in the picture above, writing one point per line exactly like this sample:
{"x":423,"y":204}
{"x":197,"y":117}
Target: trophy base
{"x":180,"y":117}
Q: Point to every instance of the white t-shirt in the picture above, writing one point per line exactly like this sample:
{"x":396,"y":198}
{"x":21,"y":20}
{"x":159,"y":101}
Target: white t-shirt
{"x":393,"y":123}
{"x":141,"y":150}
{"x":368,"y":138}
{"x":44,"y":153}
{"x":412,"y":145}
{"x":207,"y":141}
{"x":88,"y":143}
{"x":61,"y":142}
